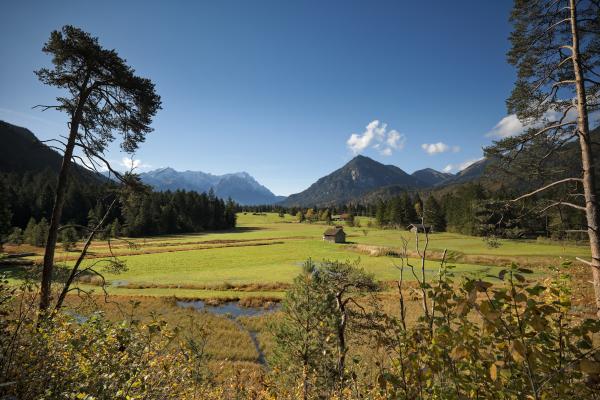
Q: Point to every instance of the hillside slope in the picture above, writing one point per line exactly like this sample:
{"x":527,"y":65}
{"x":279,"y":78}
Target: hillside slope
{"x":358,"y":177}
{"x":22,"y":152}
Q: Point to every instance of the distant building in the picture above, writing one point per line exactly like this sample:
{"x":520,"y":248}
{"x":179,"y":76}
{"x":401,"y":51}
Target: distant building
{"x":345,"y":217}
{"x":335,"y":235}
{"x":419,"y":228}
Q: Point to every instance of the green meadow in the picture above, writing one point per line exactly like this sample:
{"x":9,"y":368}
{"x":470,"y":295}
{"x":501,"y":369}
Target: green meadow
{"x":265,"y":252}
{"x":257,"y":260}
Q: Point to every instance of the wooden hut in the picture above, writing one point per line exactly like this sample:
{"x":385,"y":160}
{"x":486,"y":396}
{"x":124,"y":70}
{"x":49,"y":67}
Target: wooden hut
{"x":335,"y":235}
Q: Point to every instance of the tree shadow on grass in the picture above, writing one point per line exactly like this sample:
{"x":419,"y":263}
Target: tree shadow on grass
{"x":243,"y":229}
{"x":33,"y":273}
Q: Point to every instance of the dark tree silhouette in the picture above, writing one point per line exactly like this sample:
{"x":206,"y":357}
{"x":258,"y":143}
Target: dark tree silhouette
{"x":103,"y":97}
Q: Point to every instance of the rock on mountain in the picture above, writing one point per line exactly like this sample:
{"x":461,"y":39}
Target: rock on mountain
{"x":358,"y":177}
{"x":241,"y":186}
{"x":431,"y":177}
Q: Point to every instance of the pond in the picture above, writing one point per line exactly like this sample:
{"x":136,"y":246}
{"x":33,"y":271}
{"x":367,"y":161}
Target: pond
{"x":231,"y":309}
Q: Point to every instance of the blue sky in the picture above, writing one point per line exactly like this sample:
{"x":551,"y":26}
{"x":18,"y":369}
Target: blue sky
{"x":287,"y":91}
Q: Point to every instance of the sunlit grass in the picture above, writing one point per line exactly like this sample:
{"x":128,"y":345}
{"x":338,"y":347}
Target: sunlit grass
{"x":269,"y":249}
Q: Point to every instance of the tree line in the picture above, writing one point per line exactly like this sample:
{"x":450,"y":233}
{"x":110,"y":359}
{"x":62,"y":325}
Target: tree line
{"x":471,"y":209}
{"x":26,"y":205}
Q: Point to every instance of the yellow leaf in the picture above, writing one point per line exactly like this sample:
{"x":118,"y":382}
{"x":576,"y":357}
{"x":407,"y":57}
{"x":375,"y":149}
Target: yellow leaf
{"x":494,"y":372}
{"x":517,"y":351}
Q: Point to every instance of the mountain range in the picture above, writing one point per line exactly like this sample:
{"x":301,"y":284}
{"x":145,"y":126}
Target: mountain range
{"x":361,"y":179}
{"x":240,"y":186}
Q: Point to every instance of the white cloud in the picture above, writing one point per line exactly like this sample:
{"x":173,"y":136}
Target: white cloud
{"x":395,"y":140}
{"x":131,"y":164}
{"x":512,"y":126}
{"x":378,"y":137}
{"x":359,"y":142}
{"x":439,"y":147}
{"x":463,"y":165}
{"x":508,"y":126}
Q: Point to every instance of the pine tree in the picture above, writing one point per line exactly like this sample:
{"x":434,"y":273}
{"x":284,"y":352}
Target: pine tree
{"x":45,"y":201}
{"x":381,"y":214}
{"x":409,"y":215}
{"x":29,"y":236}
{"x":230,"y":214}
{"x":115,"y":229}
{"x":303,"y":351}
{"x":41,"y":233}
{"x":15,"y":237}
{"x":68,"y":238}
{"x":434,"y":215}
{"x":556,"y":50}
{"x":394,"y":212}
{"x":5,"y":213}
{"x":104,"y":95}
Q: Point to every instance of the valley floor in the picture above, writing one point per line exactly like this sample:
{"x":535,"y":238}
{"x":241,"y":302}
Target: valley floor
{"x":256,"y":262}
{"x":265,"y":252}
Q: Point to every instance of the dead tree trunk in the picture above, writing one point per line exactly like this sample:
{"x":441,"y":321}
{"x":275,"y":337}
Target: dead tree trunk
{"x":587,"y":158}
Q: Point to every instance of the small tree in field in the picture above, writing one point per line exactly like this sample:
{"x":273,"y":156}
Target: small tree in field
{"x":41,"y":233}
{"x":303,"y":351}
{"x":346,"y":282}
{"x":68,"y":238}
{"x":556,"y":50}
{"x":103,"y":96}
{"x":310,"y":215}
{"x":16,"y":237}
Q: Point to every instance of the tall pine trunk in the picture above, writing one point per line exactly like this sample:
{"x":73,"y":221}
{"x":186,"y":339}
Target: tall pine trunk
{"x":587,"y":159}
{"x":59,"y":201}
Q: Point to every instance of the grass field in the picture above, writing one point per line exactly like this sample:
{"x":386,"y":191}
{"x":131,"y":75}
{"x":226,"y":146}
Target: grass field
{"x":266,"y":252}
{"x":258,"y":260}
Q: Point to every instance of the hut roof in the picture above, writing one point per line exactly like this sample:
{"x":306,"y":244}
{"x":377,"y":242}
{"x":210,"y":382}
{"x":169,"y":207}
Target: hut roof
{"x":333,"y":231}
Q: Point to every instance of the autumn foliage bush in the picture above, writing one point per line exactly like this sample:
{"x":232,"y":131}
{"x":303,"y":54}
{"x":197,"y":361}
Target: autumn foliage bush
{"x":515,"y":338}
{"x":506,"y":338}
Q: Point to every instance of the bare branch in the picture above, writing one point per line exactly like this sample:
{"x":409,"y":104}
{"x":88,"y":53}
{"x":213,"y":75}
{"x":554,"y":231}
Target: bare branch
{"x":45,"y":107}
{"x":88,"y":242}
{"x":559,"y":203}
{"x":545,"y":188}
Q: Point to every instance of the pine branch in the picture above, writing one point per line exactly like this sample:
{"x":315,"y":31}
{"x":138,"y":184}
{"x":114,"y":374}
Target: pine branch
{"x":546,"y":188}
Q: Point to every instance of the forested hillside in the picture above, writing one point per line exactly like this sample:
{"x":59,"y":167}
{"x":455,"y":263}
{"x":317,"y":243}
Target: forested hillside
{"x":28,"y":171}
